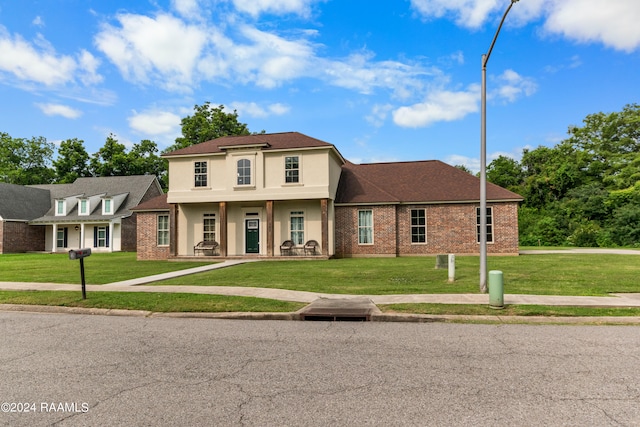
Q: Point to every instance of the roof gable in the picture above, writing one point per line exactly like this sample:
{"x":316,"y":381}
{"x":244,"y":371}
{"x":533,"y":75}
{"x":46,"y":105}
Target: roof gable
{"x":413,"y":182}
{"x":264,"y":141}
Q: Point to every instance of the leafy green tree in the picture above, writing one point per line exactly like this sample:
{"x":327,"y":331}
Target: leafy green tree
{"x":208,"y":123}
{"x":143,"y":160}
{"x":72,"y":161}
{"x":463,"y":168}
{"x":111,"y":159}
{"x":506,"y":172}
{"x":25,"y":161}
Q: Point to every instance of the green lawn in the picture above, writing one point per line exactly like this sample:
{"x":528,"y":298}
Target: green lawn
{"x":99,"y":268}
{"x":553,"y":274}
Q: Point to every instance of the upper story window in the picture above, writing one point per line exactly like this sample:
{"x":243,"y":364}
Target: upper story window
{"x":489,"y":224}
{"x":291,"y":169}
{"x":244,"y":172}
{"x":365,"y":227}
{"x":83,"y":208}
{"x":418,"y":226}
{"x":107,"y":206}
{"x":200,"y":174}
{"x":60,"y":208}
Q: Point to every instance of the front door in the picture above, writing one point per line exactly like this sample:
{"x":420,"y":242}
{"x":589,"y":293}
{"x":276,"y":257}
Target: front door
{"x":252,"y":236}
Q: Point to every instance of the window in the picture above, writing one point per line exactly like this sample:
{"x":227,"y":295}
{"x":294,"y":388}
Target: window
{"x":163,"y":230}
{"x":61,"y":237}
{"x":101,"y":237}
{"x":365,"y":227}
{"x":209,"y":227}
{"x":60,"y":207}
{"x":297,"y":227}
{"x":489,"y":225}
{"x":106,"y":207}
{"x":244,"y":172}
{"x":291,"y":169}
{"x":84,"y":207}
{"x":418,"y":226}
{"x":200,"y":174}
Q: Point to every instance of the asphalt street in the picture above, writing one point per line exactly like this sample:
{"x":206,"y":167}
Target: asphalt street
{"x":76,"y":370}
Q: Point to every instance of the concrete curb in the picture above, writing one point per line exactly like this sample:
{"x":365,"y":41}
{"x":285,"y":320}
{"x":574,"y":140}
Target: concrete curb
{"x":382,"y":317}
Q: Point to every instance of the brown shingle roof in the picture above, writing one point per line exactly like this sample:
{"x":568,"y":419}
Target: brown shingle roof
{"x":271,"y":141}
{"x":156,"y":204}
{"x":412,"y":182}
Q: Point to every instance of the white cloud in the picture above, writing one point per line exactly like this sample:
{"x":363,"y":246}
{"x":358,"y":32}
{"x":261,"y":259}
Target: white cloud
{"x":612,"y":23}
{"x":379,"y":114}
{"x":512,"y":86}
{"x":440,"y":105}
{"x":278,"y":7}
{"x":155,"y":122}
{"x":252,"y":109}
{"x":161,"y":50}
{"x":38,"y":21}
{"x":59,"y":110}
{"x":187,"y":8}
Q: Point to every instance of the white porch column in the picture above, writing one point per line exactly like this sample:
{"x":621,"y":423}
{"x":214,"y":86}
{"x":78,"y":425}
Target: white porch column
{"x":54,"y":241}
{"x":82,"y":235}
{"x":110,"y":236}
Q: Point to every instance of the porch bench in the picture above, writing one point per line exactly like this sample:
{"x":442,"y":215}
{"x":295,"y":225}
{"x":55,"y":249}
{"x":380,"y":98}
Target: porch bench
{"x":207,"y":247}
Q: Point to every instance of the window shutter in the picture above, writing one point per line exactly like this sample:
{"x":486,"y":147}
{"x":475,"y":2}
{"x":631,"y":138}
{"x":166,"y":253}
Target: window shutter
{"x":66,"y":234}
{"x":95,"y":237}
{"x":106,"y":244}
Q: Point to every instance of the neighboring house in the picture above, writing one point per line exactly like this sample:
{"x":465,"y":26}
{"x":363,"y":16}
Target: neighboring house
{"x":250,"y":194}
{"x":90,"y":212}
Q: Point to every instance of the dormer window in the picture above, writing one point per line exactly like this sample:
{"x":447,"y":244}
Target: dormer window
{"x":83,"y":208}
{"x":61,"y":208}
{"x":244,"y":172}
{"x":107,"y":207}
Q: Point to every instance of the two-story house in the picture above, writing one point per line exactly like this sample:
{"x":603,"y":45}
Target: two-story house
{"x":250,"y":194}
{"x":90,"y":212}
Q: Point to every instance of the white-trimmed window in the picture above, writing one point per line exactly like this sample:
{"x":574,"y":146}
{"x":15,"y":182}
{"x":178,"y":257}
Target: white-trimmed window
{"x":200,"y":174}
{"x":61,"y":206}
{"x":101,"y":237}
{"x":489,"y":224}
{"x":107,"y":206}
{"x":163,"y":230}
{"x":292,"y":169}
{"x":83,"y":207}
{"x":418,"y":226}
{"x":61,"y":237}
{"x":297,"y":227}
{"x":209,"y":227}
{"x":365,"y":227}
{"x":244,"y":172}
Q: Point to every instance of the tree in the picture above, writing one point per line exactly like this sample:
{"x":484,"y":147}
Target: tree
{"x":72,"y":162}
{"x":208,"y":123}
{"x":463,"y":168}
{"x":143,"y":160}
{"x":111,"y":159}
{"x":25,"y":161}
{"x":506,"y":172}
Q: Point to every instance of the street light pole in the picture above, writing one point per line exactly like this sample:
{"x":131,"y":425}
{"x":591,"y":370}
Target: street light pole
{"x":483,"y":158}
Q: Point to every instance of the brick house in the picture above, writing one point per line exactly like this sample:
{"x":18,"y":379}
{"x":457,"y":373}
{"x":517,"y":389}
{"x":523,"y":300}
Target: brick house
{"x":90,"y":212}
{"x":251,"y":194}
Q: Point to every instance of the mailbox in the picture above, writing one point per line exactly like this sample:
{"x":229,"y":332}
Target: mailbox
{"x":79,"y":253}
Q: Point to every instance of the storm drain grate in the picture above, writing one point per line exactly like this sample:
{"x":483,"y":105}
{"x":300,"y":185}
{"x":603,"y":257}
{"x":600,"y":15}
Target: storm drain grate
{"x":339,"y":310}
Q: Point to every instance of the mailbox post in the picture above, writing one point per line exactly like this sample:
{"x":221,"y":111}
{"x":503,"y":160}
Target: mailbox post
{"x":81,"y":254}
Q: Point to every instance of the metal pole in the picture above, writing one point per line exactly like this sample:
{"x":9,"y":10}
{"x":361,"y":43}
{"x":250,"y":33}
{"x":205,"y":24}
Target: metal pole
{"x":84,"y":289}
{"x":483,"y":159}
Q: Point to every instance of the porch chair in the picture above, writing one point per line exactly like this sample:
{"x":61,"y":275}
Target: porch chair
{"x":286,"y":248}
{"x":310,"y":247}
{"x":207,"y":247}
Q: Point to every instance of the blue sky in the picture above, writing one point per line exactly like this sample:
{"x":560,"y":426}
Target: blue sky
{"x":382,"y":80}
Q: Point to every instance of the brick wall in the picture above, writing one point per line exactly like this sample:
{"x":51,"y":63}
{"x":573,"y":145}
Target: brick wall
{"x":451,"y":228}
{"x":128,"y":233}
{"x":21,"y":237}
{"x":148,"y":248}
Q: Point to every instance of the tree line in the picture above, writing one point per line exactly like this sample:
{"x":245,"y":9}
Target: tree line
{"x":36,"y":161}
{"x":584,"y":191}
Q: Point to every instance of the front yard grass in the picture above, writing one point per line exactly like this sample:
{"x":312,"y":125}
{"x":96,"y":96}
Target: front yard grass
{"x":99,"y":268}
{"x":544,"y":274}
